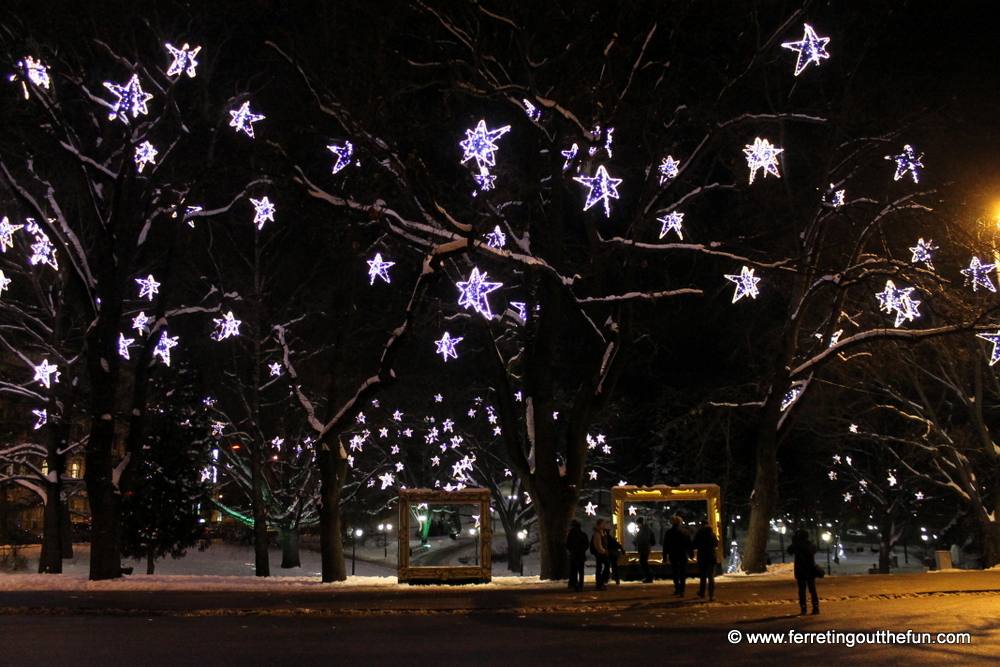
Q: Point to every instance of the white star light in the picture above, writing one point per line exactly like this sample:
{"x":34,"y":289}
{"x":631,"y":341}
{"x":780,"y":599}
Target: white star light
{"x":387,"y":480}
{"x":570,"y":155}
{"x":593,"y":474}
{"x":379,"y":269}
{"x":832,"y":475}
{"x":42,"y":251}
{"x":131,"y":99}
{"x":496,"y":238}
{"x":446,"y":346}
{"x":892,"y":479}
{"x":343,"y":153}
{"x":907,"y":162}
{"x":435,"y":460}
{"x":835,"y":198}
{"x":480,"y":144}
{"x":275,"y":368}
{"x":447,"y":426}
{"x":762,"y":155}
{"x":438,"y":397}
{"x":590,"y":509}
{"x":898,"y":300}
{"x":243,"y":120}
{"x":37,"y":73}
{"x":228,"y":326}
{"x":4,"y":281}
{"x":397,"y":415}
{"x":924,"y":252}
{"x":184,"y":60}
{"x":919,"y":495}
{"x":672,"y":222}
{"x":746,"y":284}
{"x":602,"y":188}
{"x":399,"y":467}
{"x":46,"y":373}
{"x":145,"y":154}
{"x":474,"y":291}
{"x":7,"y":234}
{"x":978,"y":274}
{"x":533,"y":112}
{"x":263,"y":211}
{"x":162,"y":349}
{"x":995,"y":339}
{"x":141,"y":323}
{"x":123,"y":344}
{"x":43,"y":417}
{"x":148,"y":287}
{"x":847,"y":497}
{"x":811,"y":49}
{"x":669,"y":169}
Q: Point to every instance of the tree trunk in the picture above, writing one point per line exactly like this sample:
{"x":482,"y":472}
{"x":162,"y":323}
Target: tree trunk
{"x":884,"y":548}
{"x":262,"y":561}
{"x":105,"y":555}
{"x":150,"y":563}
{"x":554,"y":514}
{"x":50,"y":561}
{"x":289,"y":547}
{"x":764,"y":499}
{"x":515,"y":551}
{"x":332,"y":472}
{"x":66,"y":528}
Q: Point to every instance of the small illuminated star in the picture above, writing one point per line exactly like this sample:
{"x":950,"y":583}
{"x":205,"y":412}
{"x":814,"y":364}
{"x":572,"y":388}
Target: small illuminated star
{"x":919,"y":495}
{"x":603,"y":188}
{"x":593,"y":474}
{"x":123,"y":344}
{"x":148,"y":287}
{"x":811,"y":49}
{"x":762,"y":155}
{"x":131,"y":99}
{"x":590,"y":509}
{"x":995,"y":339}
{"x":36,"y":71}
{"x":263,"y":211}
{"x":474,"y":291}
{"x":378,"y":269}
{"x":892,"y":479}
{"x":669,"y":169}
{"x":343,"y":153}
{"x":438,"y":397}
{"x":394,"y":449}
{"x":606,"y":449}
{"x":383,"y":433}
{"x":447,"y":426}
{"x":397,"y":415}
{"x":832,"y":474}
{"x":746,"y":284}
{"x":184,"y":60}
{"x":672,"y":222}
{"x":923,"y":252}
{"x":978,"y":274}
{"x":399,"y":467}
{"x":446,"y":346}
{"x":496,"y":238}
{"x":162,"y":349}
{"x":7,"y":234}
{"x":631,"y":510}
{"x":435,"y":460}
{"x":275,"y":369}
{"x":360,"y":418}
{"x":907,"y":162}
{"x":145,"y":154}
{"x":243,"y":119}
{"x":848,"y":459}
{"x":217,"y":428}
{"x":899,"y":301}
{"x":853,"y":428}
{"x":480,"y":144}
{"x":847,"y":497}
{"x":141,"y":323}
{"x":4,"y":282}
{"x":408,"y":432}
{"x":836,"y":458}
{"x":388,"y":479}
{"x":497,"y":430}
{"x":46,"y":373}
{"x":570,"y":155}
{"x":517,"y":396}
{"x":43,"y":417}
{"x":228,"y":326}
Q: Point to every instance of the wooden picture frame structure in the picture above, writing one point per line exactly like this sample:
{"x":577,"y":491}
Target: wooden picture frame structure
{"x":711,"y":494}
{"x":482,"y":573}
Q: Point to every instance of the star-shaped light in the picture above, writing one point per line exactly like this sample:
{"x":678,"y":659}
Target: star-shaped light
{"x":141,"y":323}
{"x":228,"y":326}
{"x":388,"y":479}
{"x":847,"y":497}
{"x":4,"y":281}
{"x":377,"y":268}
{"x":217,"y":428}
{"x":131,"y":99}
{"x":360,"y":418}
{"x":632,"y":510}
{"x":978,"y":274}
{"x":746,"y":284}
{"x":485,"y":180}
{"x":811,"y":49}
{"x":480,"y":144}
{"x":606,"y":449}
{"x":275,"y":368}
{"x":42,"y":250}
{"x":672,"y":222}
{"x":474,"y":291}
{"x":789,"y":398}
{"x":853,"y":428}
{"x":836,"y":458}
{"x":42,"y":417}
{"x":669,"y":169}
{"x":924,"y":252}
{"x":892,"y":479}
{"x":7,"y":233}
{"x":36,"y":71}
{"x":570,"y":155}
{"x":184,"y":60}
{"x":762,"y":155}
{"x":593,"y":474}
{"x":162,"y":349}
{"x":435,"y":460}
{"x":603,"y":188}
{"x":438,"y":397}
{"x":148,"y":287}
{"x":343,"y":153}
{"x":383,"y":433}
{"x":446,"y":346}
{"x":590,"y":509}
{"x":496,"y":238}
{"x":397,"y":415}
{"x":531,"y":111}
{"x":832,"y":475}
{"x":263,"y":211}
{"x":243,"y":119}
{"x":123,"y":345}
{"x":919,"y":495}
{"x":399,"y":466}
{"x":46,"y":373}
{"x":145,"y":154}
{"x":898,"y":300}
{"x":995,"y":339}
{"x":907,"y":162}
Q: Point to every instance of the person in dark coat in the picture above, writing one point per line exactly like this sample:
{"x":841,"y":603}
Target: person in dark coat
{"x":677,"y":546}
{"x":577,"y":543}
{"x":615,"y":551}
{"x":643,"y":542}
{"x":599,"y":547}
{"x":804,"y":551}
{"x":706,"y":543}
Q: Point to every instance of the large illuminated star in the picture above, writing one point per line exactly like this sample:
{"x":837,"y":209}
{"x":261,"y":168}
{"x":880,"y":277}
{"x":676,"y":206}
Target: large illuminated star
{"x":995,"y":339}
{"x":184,"y":60}
{"x":131,"y":99}
{"x":761,"y":154}
{"x":746,"y":284}
{"x":907,"y":162}
{"x":446,"y":346}
{"x":480,"y":144}
{"x":148,"y":287}
{"x":7,"y":234}
{"x":924,"y":252}
{"x":243,"y":119}
{"x":163,"y":347}
{"x":46,"y":373}
{"x":672,"y":222}
{"x":811,"y":49}
{"x":379,"y":269}
{"x":602,"y":188}
{"x":263,"y":211}
{"x":978,"y":274}
{"x":474,"y":291}
{"x":343,"y":154}
{"x":228,"y":326}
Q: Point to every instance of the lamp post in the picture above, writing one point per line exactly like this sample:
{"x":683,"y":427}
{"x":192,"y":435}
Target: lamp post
{"x":354,"y":535}
{"x":781,"y":537}
{"x":472,"y":532}
{"x":521,"y":536}
{"x":826,"y":538}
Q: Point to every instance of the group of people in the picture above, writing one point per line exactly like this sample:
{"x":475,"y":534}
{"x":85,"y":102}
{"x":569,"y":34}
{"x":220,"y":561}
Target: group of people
{"x":679,"y":546}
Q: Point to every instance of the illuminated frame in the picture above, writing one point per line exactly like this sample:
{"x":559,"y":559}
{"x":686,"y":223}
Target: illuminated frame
{"x":711,"y":494}
{"x":482,"y":572}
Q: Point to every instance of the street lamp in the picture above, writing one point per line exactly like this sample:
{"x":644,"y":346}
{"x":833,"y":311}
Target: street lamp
{"x":356,"y":534}
{"x":472,"y":533}
{"x":521,"y":536}
{"x":826,"y":538}
{"x":781,"y":536}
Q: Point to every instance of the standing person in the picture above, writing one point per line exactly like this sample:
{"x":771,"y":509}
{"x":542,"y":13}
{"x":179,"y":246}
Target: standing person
{"x":615,"y":551}
{"x":644,"y":542}
{"x":576,"y":544}
{"x":678,"y":547}
{"x":804,"y":551}
{"x":706,"y":542}
{"x":599,"y":547}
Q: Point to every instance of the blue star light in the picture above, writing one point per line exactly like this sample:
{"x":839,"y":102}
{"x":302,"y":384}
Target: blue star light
{"x":924,"y":252}
{"x":570,"y":155}
{"x":343,"y":153}
{"x":761,"y":154}
{"x":145,"y":154}
{"x":602,"y":188}
{"x":7,"y":234}
{"x":480,"y":144}
{"x":162,"y":349}
{"x":123,"y":345}
{"x":131,"y":99}
{"x":496,"y":238}
{"x":446,"y":346}
{"x":228,"y":326}
{"x":533,"y":112}
{"x":672,"y":222}
{"x":379,"y":269}
{"x":995,"y":339}
{"x":811,"y":49}
{"x":978,"y":274}
{"x":243,"y":119}
{"x":184,"y":60}
{"x":46,"y":373}
{"x":669,"y":169}
{"x":746,"y":284}
{"x":36,"y":71}
{"x":148,"y":287}
{"x":907,"y":162}
{"x":898,"y":300}
{"x":474,"y":291}
{"x":4,"y":281}
{"x":263,"y":211}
